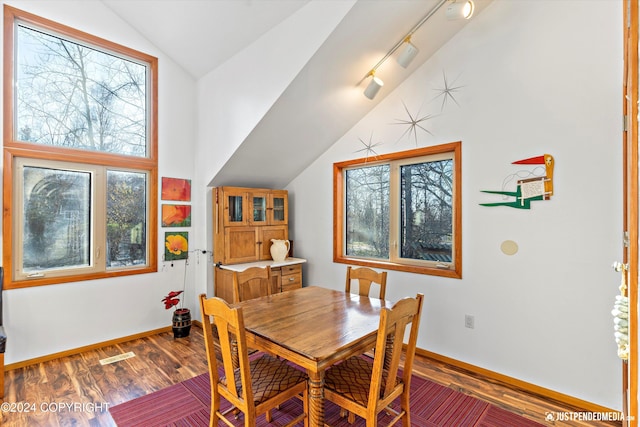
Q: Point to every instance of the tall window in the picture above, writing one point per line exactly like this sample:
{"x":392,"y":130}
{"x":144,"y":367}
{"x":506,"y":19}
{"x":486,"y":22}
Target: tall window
{"x":80,"y":164}
{"x":401,"y":211}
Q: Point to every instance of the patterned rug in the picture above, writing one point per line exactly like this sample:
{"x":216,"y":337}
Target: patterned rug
{"x":432,"y":405}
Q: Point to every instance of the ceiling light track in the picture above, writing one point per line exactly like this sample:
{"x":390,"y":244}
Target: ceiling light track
{"x":455,"y":10}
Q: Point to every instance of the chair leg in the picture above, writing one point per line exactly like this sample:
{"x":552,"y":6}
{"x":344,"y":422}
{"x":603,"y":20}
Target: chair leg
{"x":351,"y":418}
{"x":404,"y":406}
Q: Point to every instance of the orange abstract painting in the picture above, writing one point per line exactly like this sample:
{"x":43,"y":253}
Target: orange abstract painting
{"x":176,"y":189}
{"x":176,"y":215}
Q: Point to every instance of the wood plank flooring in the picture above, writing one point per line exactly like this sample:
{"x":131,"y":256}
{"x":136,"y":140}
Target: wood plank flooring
{"x":77,"y":390}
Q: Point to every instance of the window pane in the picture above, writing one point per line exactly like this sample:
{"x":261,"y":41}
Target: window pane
{"x":56,"y":223}
{"x":278,"y":208}
{"x":69,"y":95}
{"x":367,"y":212}
{"x":235,"y":208}
{"x":260,"y":209}
{"x":426,"y":211}
{"x":126,"y":218}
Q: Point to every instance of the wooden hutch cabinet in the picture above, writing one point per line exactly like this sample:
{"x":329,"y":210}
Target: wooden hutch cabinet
{"x":252,"y":206}
{"x":244,"y":222}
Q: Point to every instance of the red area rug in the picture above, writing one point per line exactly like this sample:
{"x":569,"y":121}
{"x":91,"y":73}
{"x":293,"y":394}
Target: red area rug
{"x":432,"y":405}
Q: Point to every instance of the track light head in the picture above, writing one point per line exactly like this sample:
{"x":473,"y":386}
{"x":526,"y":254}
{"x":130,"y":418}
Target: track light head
{"x":374,"y":86}
{"x":455,"y":10}
{"x":459,"y":10}
{"x":406,"y":56}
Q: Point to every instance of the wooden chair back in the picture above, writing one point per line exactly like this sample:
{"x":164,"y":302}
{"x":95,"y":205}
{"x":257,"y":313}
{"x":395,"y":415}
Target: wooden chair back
{"x":251,"y":283}
{"x":364,"y":388}
{"x":393,"y":324}
{"x":366,"y":277}
{"x":253,"y":387}
{"x":229,"y":324}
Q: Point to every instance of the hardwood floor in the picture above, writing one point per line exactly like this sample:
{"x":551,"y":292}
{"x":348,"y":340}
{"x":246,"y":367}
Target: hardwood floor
{"x":78,"y":390}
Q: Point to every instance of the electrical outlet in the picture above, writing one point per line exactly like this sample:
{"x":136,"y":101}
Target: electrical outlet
{"x":468,"y":321}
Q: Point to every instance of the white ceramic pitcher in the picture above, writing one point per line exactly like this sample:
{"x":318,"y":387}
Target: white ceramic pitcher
{"x":279,"y":249}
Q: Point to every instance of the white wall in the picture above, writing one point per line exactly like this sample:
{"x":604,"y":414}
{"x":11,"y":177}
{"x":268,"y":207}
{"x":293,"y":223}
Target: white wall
{"x":231,"y":100}
{"x":535,"y":77}
{"x":48,"y":319}
{"x":234,"y":97}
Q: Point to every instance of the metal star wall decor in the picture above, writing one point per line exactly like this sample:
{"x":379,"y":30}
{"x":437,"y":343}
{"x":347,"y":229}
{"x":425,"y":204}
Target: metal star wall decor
{"x":368,"y":147}
{"x":413,"y":124}
{"x":448,"y":91}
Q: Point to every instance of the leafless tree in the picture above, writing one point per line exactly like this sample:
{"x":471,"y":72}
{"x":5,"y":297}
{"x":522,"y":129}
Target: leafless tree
{"x":74,"y":96}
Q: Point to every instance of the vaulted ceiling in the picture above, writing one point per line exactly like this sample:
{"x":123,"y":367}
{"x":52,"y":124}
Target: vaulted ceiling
{"x":319,"y":105}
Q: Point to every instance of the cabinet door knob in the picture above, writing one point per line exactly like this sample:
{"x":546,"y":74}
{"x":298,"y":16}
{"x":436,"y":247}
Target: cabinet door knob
{"x":291,"y":279}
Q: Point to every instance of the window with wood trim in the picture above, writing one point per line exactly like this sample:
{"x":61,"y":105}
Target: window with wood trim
{"x":80,"y":155}
{"x":401,"y":211}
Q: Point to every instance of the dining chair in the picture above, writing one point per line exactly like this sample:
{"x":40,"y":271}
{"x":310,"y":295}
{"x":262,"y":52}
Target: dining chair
{"x":366,"y":277}
{"x":253,"y":282}
{"x":366,"y":387}
{"x":259,"y":385}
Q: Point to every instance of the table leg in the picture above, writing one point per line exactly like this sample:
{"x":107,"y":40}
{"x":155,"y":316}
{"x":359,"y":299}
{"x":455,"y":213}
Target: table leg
{"x":316,"y":399}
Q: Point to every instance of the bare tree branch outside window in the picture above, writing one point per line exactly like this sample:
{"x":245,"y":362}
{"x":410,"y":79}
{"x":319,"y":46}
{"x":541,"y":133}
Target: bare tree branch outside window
{"x":126,"y":218}
{"x":70,"y":95}
{"x":427,"y":211}
{"x":402,"y":212}
{"x":82,"y":148}
{"x":367,"y":211}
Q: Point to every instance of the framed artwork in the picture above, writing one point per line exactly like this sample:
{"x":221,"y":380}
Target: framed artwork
{"x":176,"y":189}
{"x":176,"y":245}
{"x":176,"y":215}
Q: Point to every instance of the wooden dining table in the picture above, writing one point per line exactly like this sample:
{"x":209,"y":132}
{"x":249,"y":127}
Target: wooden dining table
{"x":313,"y":327}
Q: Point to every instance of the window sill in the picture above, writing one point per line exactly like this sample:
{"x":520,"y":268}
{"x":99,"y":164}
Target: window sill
{"x":454,"y":273}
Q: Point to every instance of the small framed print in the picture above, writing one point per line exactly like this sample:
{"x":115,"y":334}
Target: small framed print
{"x":176,"y":215}
{"x":176,"y":245}
{"x":177,"y":189}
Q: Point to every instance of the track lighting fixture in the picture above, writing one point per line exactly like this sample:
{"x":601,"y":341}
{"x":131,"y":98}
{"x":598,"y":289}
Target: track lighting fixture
{"x":374,"y":85}
{"x":459,"y":10}
{"x":456,"y":9}
{"x":406,"y":56}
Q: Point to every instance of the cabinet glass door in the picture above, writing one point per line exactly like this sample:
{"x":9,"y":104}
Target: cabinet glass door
{"x":235,"y":209}
{"x":278,"y":209}
{"x":259,"y":204}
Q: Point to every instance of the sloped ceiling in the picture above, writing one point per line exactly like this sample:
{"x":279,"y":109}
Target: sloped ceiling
{"x":202,"y":34}
{"x":324,"y":100}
